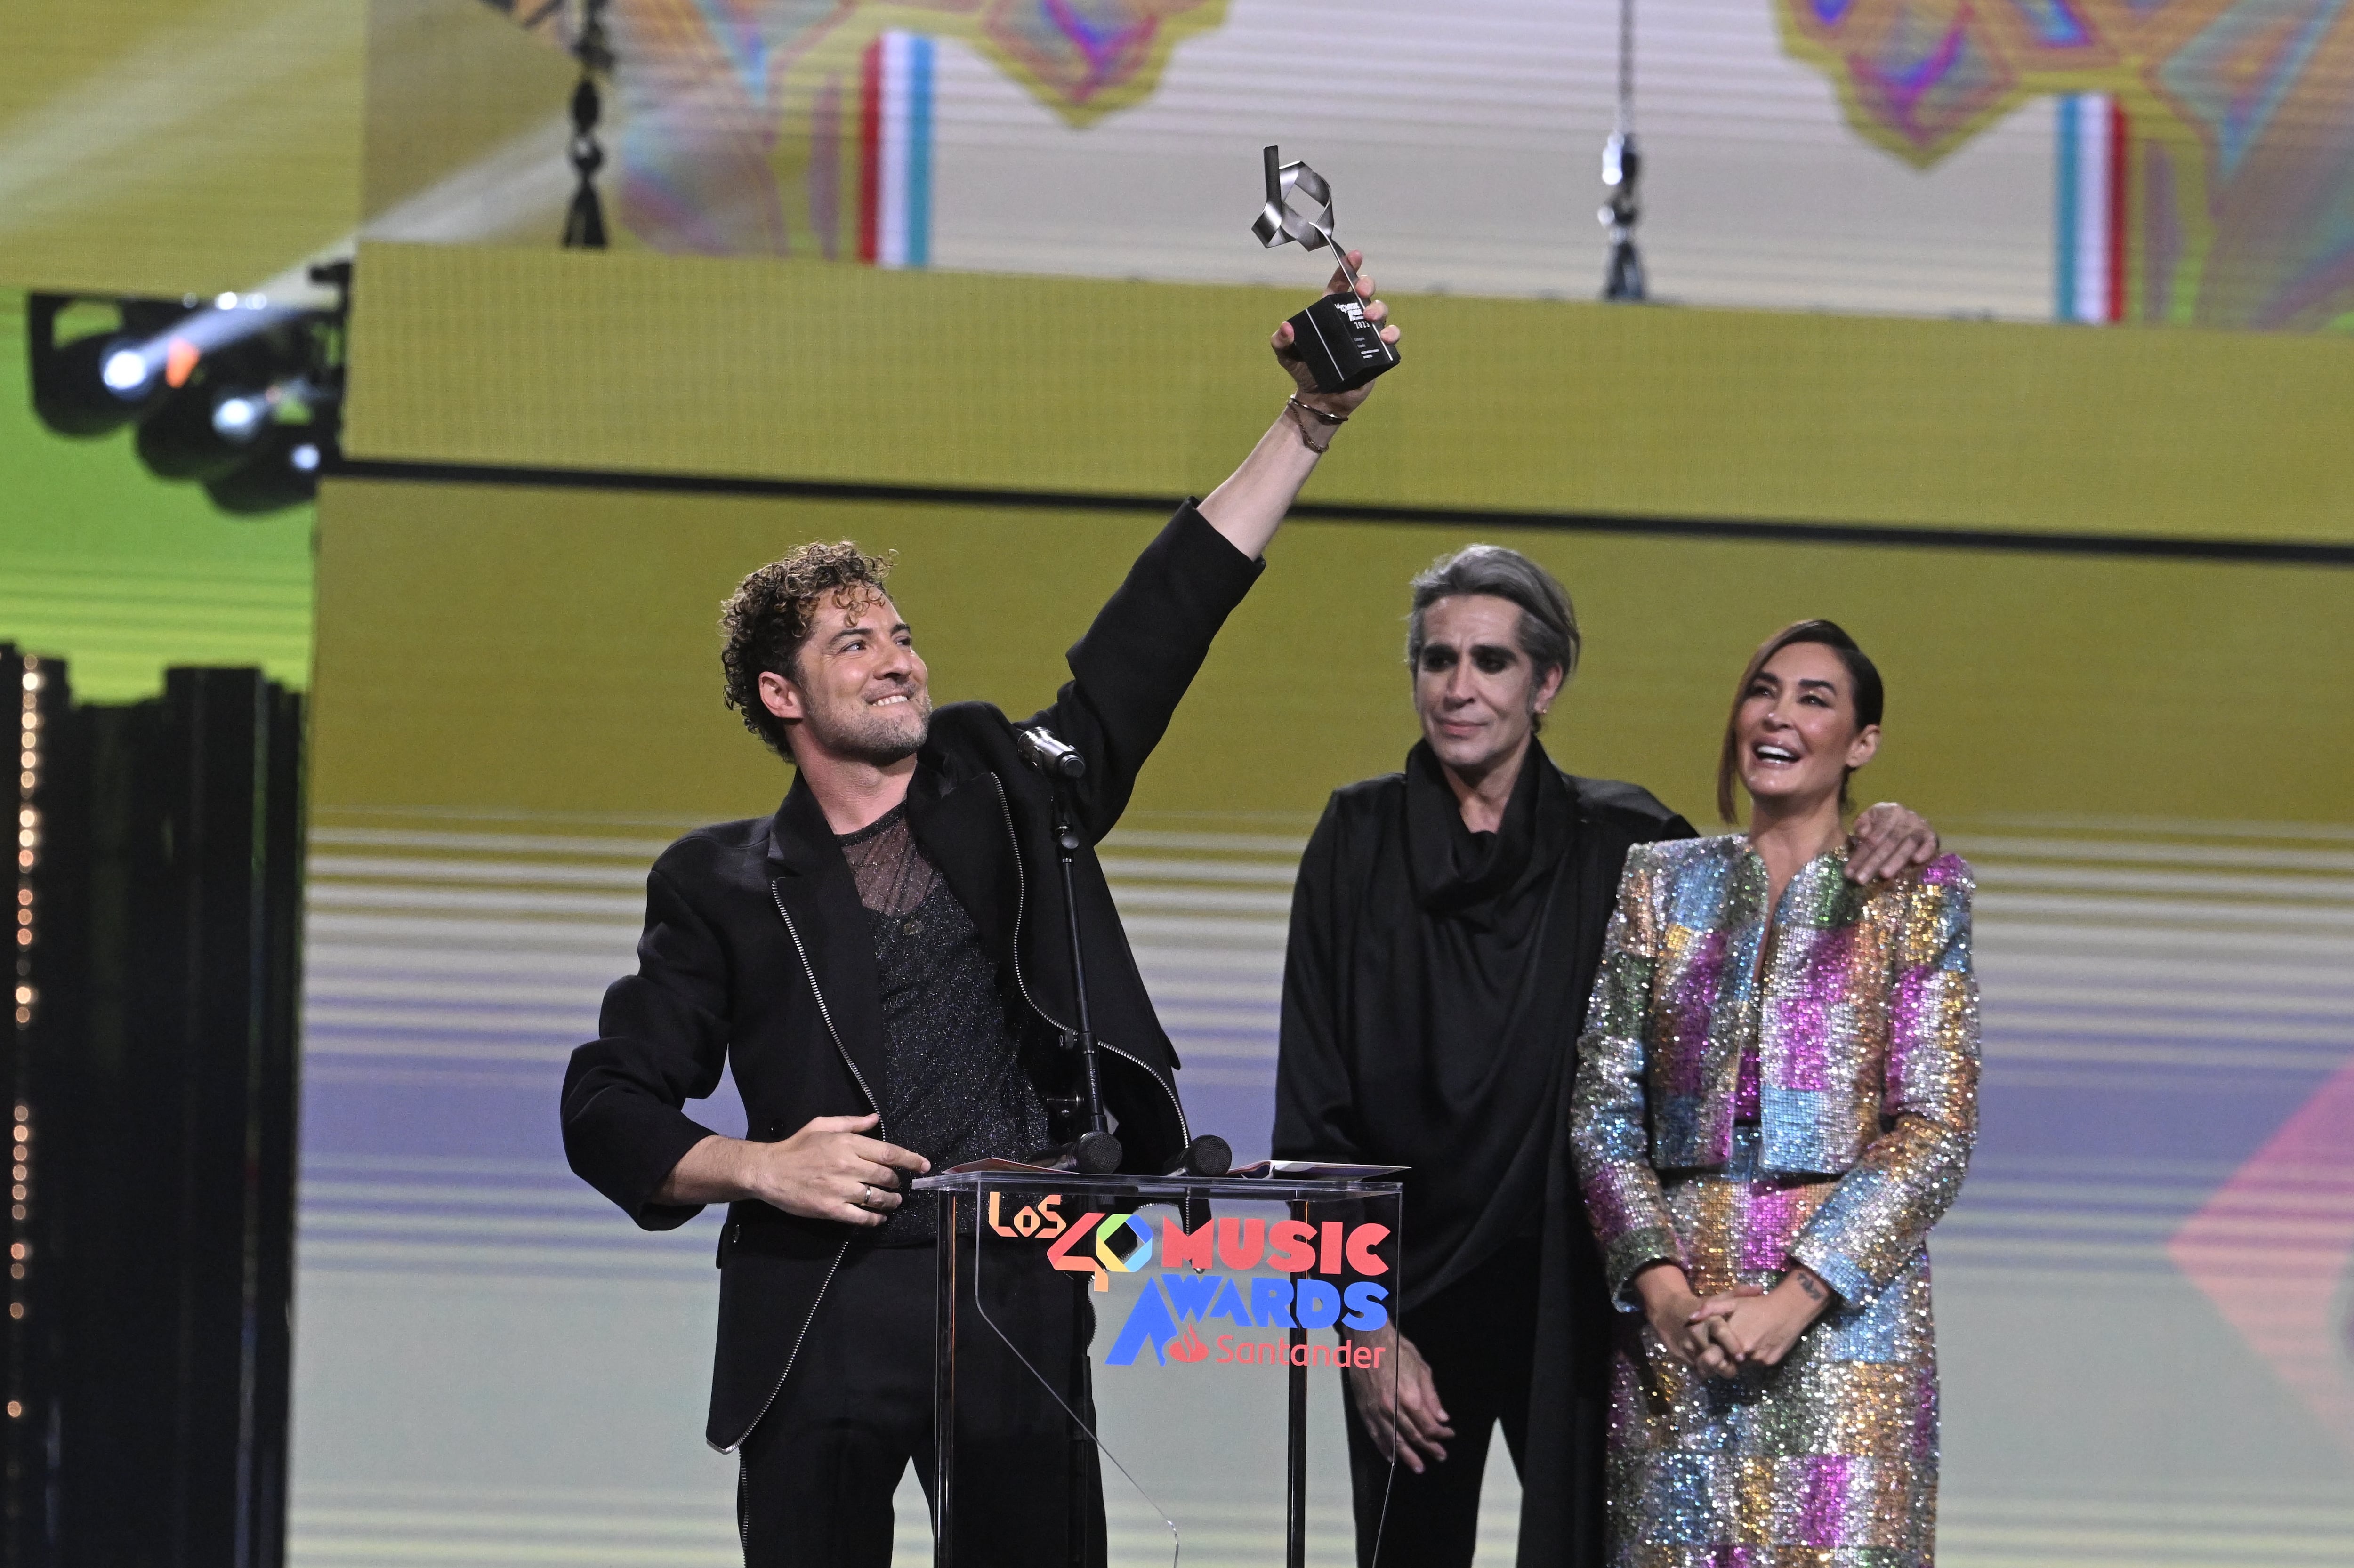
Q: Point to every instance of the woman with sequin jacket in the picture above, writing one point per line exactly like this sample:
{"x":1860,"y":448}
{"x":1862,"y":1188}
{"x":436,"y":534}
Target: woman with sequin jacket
{"x":1777,"y":1096}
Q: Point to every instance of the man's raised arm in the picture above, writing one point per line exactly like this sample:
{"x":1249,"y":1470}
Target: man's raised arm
{"x":1131,"y":669}
{"x":1250,"y":506}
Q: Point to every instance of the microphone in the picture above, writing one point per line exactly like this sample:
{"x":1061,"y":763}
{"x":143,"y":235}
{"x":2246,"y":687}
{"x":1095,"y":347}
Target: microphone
{"x":1047,"y":752}
{"x":1208,"y":1155}
{"x":1091,"y":1154}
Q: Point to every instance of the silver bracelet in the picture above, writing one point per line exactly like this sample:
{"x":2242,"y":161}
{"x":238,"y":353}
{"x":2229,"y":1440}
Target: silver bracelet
{"x":1321,"y":440}
{"x":1317,"y":413}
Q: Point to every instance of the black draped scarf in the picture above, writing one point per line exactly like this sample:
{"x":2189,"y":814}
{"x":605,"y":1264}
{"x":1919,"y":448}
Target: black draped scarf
{"x":1484,"y":1016}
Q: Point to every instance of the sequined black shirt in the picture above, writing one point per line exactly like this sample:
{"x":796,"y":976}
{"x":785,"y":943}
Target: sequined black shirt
{"x":953,"y":1084}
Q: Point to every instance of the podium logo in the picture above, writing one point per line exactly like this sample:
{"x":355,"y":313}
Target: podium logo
{"x":1043,"y":1220}
{"x":1169,"y":1305}
{"x":1104,"y":1261}
{"x":1336,"y":1269}
{"x":1186,"y":1292}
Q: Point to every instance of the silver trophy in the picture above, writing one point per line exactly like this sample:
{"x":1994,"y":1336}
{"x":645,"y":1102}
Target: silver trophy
{"x":1343,"y":348}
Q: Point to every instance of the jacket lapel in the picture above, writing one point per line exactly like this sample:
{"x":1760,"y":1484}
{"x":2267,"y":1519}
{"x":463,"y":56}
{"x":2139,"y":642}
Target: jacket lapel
{"x":813,"y":887}
{"x":959,"y":819}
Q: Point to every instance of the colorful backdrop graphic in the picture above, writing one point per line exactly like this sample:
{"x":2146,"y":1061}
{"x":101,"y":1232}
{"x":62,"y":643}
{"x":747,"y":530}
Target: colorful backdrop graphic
{"x":792,"y":129}
{"x":1121,"y":140}
{"x":2233,"y":171}
{"x":2088,"y":210}
{"x":1861,"y":155}
{"x":2274,"y":1249}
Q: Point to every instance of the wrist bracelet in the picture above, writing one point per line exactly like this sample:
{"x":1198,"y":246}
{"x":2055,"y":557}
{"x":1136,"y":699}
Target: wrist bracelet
{"x":1316,"y":438}
{"x":1317,"y":413}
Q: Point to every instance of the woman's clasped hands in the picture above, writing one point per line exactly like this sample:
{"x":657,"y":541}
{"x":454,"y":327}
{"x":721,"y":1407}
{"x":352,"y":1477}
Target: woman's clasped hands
{"x":1745,"y":1326}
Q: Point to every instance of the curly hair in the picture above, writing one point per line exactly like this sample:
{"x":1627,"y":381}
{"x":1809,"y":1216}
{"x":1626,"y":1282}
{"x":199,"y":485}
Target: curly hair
{"x":771,"y":615}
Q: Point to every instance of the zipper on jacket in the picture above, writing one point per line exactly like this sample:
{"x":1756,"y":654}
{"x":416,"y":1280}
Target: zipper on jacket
{"x":826,"y":1014}
{"x":1021,"y":900}
{"x":880,"y":1127}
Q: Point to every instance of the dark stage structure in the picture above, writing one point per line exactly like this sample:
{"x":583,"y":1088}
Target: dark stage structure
{"x":151,"y":1077}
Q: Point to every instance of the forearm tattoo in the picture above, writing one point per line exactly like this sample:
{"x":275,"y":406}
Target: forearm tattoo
{"x":1806,"y":1283}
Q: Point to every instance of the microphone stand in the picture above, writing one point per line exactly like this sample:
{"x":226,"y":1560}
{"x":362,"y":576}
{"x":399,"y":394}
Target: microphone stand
{"x":1096,"y":1149}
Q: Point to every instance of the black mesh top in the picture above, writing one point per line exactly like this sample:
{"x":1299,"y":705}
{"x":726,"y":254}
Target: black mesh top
{"x":953,"y":1086}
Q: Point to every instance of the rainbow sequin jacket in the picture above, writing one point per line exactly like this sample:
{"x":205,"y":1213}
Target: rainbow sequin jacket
{"x":1867,"y":1034}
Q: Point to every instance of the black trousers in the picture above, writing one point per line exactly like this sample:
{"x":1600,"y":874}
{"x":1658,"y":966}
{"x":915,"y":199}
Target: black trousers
{"x":817,"y":1475}
{"x":1478,"y":1335}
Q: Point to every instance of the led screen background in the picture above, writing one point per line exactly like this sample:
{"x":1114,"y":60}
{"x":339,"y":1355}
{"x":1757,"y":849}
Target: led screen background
{"x":518,"y":706}
{"x":2144,"y":1294}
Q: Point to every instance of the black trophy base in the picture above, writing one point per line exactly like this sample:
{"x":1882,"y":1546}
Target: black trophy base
{"x":1341,"y":348}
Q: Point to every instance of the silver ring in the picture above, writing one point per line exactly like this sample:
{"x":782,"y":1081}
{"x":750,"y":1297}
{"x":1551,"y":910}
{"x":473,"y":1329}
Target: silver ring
{"x":865,"y":1196}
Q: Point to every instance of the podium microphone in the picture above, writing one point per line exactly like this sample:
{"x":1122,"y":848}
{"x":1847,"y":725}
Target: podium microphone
{"x":1049,"y":754}
{"x":1208,"y":1155}
{"x":1090,"y":1153}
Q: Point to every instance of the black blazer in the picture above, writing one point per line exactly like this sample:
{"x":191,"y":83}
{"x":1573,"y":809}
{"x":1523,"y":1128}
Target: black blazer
{"x":756,"y":952}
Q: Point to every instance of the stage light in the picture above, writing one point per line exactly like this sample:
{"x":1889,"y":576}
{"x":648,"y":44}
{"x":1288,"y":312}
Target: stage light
{"x":93,"y":383}
{"x":283,"y":470}
{"x":160,"y":346}
{"x":239,"y":415}
{"x":238,"y":392}
{"x":126,"y":372}
{"x":232,"y":319}
{"x":202,"y":434}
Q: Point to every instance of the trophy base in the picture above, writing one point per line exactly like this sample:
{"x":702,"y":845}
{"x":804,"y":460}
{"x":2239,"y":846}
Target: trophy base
{"x":1341,"y":347}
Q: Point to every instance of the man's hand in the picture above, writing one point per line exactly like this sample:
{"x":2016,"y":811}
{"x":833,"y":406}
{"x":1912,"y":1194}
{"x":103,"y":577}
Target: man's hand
{"x":1249,"y":506}
{"x":1889,"y":841}
{"x":827,"y":1170}
{"x":1412,"y":1428}
{"x":1675,"y":1315}
{"x":1376,"y":311}
{"x":1759,"y":1328}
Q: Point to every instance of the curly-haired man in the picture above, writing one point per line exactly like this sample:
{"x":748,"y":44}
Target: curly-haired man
{"x":863,"y":962}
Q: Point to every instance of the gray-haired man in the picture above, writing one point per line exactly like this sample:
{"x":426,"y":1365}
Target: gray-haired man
{"x":1444,"y":932}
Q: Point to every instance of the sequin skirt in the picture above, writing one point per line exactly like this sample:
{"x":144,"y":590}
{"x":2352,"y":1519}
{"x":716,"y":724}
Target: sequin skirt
{"x":1829,"y":1460}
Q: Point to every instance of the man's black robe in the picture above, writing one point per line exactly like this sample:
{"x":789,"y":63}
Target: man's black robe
{"x":1433,"y":994}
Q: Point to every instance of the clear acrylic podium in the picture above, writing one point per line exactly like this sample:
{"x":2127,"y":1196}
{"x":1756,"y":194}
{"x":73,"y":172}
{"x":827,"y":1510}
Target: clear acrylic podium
{"x":1125,"y":1362}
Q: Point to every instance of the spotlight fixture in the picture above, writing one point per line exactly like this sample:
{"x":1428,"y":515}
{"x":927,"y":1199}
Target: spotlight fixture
{"x":99,"y":381}
{"x":232,"y":397}
{"x":240,"y":393}
{"x":203,"y":434}
{"x":282,"y":470}
{"x":238,"y":415}
{"x":125,"y":371}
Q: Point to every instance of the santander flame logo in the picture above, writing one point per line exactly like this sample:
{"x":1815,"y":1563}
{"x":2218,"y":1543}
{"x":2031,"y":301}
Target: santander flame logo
{"x":1188,"y":1347}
